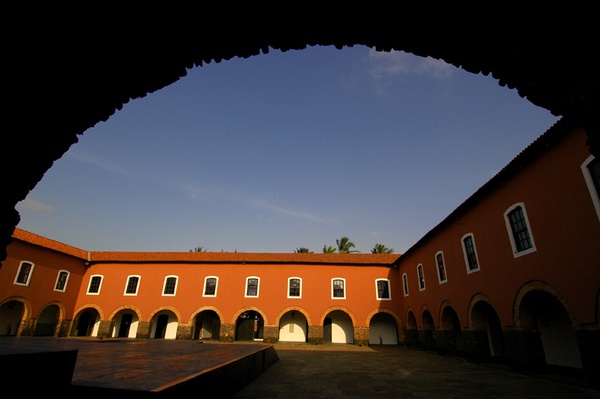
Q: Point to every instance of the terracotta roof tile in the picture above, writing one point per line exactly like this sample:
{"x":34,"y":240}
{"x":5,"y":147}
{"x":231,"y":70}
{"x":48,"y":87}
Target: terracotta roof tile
{"x":44,"y":242}
{"x":242,"y":257}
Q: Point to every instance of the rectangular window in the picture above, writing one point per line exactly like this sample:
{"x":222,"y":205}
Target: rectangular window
{"x":421,"y":277}
{"x":95,"y":283}
{"x":591,"y":174}
{"x":132,"y":285}
{"x":210,"y":286}
{"x":61,"y":281}
{"x":517,"y":224}
{"x":294,"y":286}
{"x":337,"y":288}
{"x":405,"y":284}
{"x":470,"y":253}
{"x":23,"y":276}
{"x":382,"y":287}
{"x":170,"y":287}
{"x":441,"y":267}
{"x":252,"y":286}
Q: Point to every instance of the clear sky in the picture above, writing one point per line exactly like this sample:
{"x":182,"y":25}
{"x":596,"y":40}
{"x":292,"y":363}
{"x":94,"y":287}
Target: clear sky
{"x":285,"y":150}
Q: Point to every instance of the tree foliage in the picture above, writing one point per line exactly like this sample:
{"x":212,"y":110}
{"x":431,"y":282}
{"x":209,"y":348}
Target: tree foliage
{"x":381,"y":249}
{"x":328,"y":249}
{"x":303,"y":250}
{"x":344,"y":246}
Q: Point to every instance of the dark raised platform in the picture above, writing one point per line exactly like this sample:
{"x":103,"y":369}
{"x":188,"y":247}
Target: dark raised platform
{"x":140,"y":368}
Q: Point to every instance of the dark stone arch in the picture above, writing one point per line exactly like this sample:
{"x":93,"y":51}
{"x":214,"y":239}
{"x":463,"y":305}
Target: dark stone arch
{"x":412,"y":333}
{"x":451,"y":337}
{"x":427,"y":330}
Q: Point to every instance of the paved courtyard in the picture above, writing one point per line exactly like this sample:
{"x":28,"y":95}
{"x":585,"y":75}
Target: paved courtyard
{"x":301,"y":371}
{"x":347,"y":371}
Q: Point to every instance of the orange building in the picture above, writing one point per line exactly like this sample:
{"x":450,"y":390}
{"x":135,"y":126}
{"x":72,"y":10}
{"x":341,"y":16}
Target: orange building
{"x":512,"y":274}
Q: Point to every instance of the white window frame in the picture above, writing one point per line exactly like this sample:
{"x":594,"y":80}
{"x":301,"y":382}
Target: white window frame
{"x":246,"y":295}
{"x":511,"y":237}
{"x":64,"y":289}
{"x":137,"y":287}
{"x":421,"y":277}
{"x":464,"y":249}
{"x":437,"y":267}
{"x":405,"y":284}
{"x":389,"y":289}
{"x":332,"y":288}
{"x":26,"y":283}
{"x":165,"y":285}
{"x":590,"y":184}
{"x":204,"y":294}
{"x":99,"y":285}
{"x":299,"y":296}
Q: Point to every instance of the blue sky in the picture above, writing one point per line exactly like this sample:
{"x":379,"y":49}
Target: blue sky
{"x":285,"y":150}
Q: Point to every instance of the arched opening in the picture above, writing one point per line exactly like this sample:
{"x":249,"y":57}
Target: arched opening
{"x":207,"y":325}
{"x":427,"y":331}
{"x":249,"y":326}
{"x":164,"y":325}
{"x":338,"y":328}
{"x":87,"y":323}
{"x":293,"y":327}
{"x":487,"y":330}
{"x":125,"y":324}
{"x":383,"y":330}
{"x":47,"y":322}
{"x":545,"y":318}
{"x":452,"y":341}
{"x":11,"y":314}
{"x":412,"y":333}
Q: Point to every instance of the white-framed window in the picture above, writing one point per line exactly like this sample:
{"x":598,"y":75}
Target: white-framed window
{"x":338,"y":288}
{"x":421,"y":276}
{"x":24,"y":273}
{"x":210,"y":286}
{"x":252,"y":287}
{"x":382,"y":289}
{"x":95,"y":284}
{"x":470,"y":253}
{"x":170,"y":286}
{"x":405,"y":284}
{"x":591,"y":173}
{"x":441,"y":267}
{"x":519,"y":231}
{"x":62,"y":278}
{"x":132,"y":285}
{"x":294,"y":287}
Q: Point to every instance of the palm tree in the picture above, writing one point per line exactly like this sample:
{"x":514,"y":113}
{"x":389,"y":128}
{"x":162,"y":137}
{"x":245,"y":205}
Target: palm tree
{"x":344,"y":246}
{"x":328,"y":249}
{"x":198,"y":249}
{"x":303,"y":250}
{"x":381,"y":249}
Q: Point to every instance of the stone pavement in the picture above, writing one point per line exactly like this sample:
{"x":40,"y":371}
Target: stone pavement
{"x":301,"y":371}
{"x":348,"y":371}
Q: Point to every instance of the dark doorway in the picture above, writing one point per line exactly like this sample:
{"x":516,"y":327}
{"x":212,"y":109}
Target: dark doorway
{"x":161,"y":325}
{"x":126,"y":320}
{"x":85,"y":324}
{"x":249,"y":326}
{"x":208,"y":325}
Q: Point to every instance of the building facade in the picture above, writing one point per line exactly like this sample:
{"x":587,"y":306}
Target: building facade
{"x":513,"y":274}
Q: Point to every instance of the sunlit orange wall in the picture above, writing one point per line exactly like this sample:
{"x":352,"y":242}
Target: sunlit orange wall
{"x":40,"y":291}
{"x":566,"y":233}
{"x":272,"y":300}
